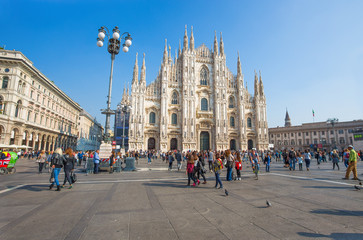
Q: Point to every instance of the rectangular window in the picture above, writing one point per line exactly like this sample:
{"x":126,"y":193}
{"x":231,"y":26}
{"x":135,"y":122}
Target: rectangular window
{"x":28,"y":116}
{"x":307,"y":142}
{"x":299,"y":134}
{"x":323,"y":141}
{"x":307,"y":134}
{"x":350,"y":130}
{"x":278,"y":135}
{"x":314,"y":133}
{"x":331,"y":132}
{"x":323,"y":133}
{"x":341,"y":131}
{"x":272,"y":135}
{"x":315,"y":141}
{"x":292,"y":134}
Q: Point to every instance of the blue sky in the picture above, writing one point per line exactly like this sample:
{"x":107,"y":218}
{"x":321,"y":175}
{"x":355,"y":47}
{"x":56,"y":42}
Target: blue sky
{"x":310,"y":53}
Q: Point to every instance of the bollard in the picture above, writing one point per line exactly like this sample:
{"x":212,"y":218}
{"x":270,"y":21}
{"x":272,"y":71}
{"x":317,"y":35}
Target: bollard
{"x":130,"y":164}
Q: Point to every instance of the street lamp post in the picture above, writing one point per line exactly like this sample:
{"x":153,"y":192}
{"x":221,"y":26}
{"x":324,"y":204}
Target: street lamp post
{"x":333,"y":121}
{"x":113,"y":48}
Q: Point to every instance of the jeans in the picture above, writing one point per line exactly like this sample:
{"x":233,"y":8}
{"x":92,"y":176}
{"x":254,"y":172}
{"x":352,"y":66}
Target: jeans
{"x":218,"y":180}
{"x":238,"y":173}
{"x":210,"y":165}
{"x":148,"y":160}
{"x":56,"y":173}
{"x":335,"y":163}
{"x":300,"y":167}
{"x":292,"y":163}
{"x":307,"y":162}
{"x":346,"y":164}
{"x":229,"y":174}
{"x":97,"y":165}
{"x":190,"y":176}
{"x":41,"y":164}
{"x":267,"y":167}
{"x":67,"y":176}
{"x":170,"y":165}
{"x":179,"y":165}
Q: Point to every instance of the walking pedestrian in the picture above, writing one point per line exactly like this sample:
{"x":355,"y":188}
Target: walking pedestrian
{"x":268,"y":162}
{"x":190,"y":169}
{"x":346,"y":157}
{"x":353,"y":158}
{"x":96,"y":161}
{"x":307,"y":157}
{"x":178,"y":157}
{"x":335,"y":158}
{"x":41,"y":160}
{"x":229,"y":160}
{"x":292,"y":159}
{"x":300,"y":161}
{"x":217,"y":168}
{"x":200,"y":167}
{"x":238,"y":165}
{"x":210,"y":160}
{"x":171,"y":160}
{"x":57,"y":162}
{"x":69,"y":164}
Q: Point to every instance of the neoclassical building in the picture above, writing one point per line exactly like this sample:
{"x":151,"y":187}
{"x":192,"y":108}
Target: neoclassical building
{"x":196,"y":103}
{"x":317,"y":135}
{"x":34,"y":112}
{"x":89,"y":132}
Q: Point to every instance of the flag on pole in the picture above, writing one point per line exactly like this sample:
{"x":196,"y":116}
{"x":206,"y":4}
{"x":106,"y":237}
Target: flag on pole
{"x":313,"y":113}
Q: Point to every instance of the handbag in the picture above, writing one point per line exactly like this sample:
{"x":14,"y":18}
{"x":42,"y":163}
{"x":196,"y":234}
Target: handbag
{"x":73,"y":177}
{"x":51,"y":179}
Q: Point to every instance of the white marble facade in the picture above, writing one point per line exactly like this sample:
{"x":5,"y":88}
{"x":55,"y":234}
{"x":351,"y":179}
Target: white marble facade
{"x":196,"y":103}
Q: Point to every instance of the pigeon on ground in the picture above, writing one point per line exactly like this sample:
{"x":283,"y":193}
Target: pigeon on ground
{"x":226,"y":192}
{"x":356,"y":187}
{"x":360,"y":183}
{"x":268,"y":203}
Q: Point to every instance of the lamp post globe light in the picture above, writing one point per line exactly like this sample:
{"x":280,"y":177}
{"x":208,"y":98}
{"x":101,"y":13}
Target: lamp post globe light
{"x":333,"y":121}
{"x":113,"y":47}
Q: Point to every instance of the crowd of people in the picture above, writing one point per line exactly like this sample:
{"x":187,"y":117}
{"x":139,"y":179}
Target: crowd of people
{"x":198,"y":163}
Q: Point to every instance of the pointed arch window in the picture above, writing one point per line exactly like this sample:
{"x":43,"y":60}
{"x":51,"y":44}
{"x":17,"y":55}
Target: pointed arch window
{"x":152,"y":118}
{"x":174,"y":119}
{"x":231,"y":121}
{"x":17,"y":109}
{"x":249,"y":122}
{"x":20,"y":85}
{"x":204,"y":104}
{"x":5,"y":82}
{"x":174,"y":98}
{"x":204,"y":76}
{"x":231,"y":102}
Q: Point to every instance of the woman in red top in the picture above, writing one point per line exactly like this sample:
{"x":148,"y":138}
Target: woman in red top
{"x":190,"y":169}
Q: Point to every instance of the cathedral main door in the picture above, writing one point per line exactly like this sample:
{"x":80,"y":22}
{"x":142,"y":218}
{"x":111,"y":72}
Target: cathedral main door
{"x":232,"y":144}
{"x":250,"y":144}
{"x":151,"y":144}
{"x":173,"y":144}
{"x":204,"y":141}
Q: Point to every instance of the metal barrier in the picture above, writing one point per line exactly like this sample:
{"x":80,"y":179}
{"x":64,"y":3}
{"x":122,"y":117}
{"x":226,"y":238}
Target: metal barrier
{"x":104,"y":165}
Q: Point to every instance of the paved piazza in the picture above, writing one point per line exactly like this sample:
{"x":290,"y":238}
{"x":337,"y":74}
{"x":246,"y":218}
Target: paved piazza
{"x":155,"y":204}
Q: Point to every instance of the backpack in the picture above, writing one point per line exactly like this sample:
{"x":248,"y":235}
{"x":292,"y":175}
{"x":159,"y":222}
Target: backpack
{"x":292,"y":154}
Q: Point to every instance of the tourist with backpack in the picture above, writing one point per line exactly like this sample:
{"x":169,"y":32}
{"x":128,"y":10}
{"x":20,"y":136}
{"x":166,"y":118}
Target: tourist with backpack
{"x":190,"y":169}
{"x":292,"y":159}
{"x":217,"y":168}
{"x":69,"y":164}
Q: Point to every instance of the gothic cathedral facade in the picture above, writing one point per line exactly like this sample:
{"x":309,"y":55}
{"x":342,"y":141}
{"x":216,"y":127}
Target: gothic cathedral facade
{"x":196,"y":103}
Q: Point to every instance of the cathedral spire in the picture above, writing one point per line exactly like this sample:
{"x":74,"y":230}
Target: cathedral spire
{"x":185,"y":45}
{"x":135,"y":77}
{"x":261,"y":85}
{"x":179,"y":52}
{"x":287,"y":119}
{"x":191,"y":46}
{"x":221,"y":46}
{"x":170,"y":59}
{"x":256,"y":85}
{"x":165,"y":57}
{"x":143,"y":71}
{"x":215,"y":43}
{"x":123,"y":100}
{"x":239,"y":67}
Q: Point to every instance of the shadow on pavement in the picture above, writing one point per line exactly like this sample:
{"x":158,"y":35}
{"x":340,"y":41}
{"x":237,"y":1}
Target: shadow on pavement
{"x":35,"y":188}
{"x":339,"y":213}
{"x":333,"y":235}
{"x":328,"y":187}
{"x":167,"y":184}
